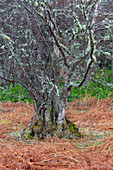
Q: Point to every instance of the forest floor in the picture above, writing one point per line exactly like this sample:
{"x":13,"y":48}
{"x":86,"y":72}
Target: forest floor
{"x":94,"y":151}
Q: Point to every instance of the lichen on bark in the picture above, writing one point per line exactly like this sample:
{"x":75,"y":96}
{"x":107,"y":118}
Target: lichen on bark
{"x":67,"y":129}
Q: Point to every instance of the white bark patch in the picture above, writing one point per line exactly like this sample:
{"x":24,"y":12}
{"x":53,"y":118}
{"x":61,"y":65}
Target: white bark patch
{"x":47,"y":116}
{"x":61,"y":114}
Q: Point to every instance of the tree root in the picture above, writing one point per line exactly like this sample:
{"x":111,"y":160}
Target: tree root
{"x":40,"y":130}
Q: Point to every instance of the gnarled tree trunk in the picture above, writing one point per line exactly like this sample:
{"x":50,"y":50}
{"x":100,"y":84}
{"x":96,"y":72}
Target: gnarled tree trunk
{"x":52,"y":121}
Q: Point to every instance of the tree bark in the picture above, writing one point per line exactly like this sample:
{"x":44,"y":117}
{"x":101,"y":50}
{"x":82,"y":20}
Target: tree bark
{"x":48,"y":125}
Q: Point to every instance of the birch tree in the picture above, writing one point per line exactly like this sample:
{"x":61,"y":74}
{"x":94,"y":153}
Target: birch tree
{"x":52,"y":46}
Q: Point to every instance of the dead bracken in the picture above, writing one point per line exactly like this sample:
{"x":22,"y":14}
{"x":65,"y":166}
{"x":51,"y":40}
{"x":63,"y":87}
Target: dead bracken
{"x":93,"y":151}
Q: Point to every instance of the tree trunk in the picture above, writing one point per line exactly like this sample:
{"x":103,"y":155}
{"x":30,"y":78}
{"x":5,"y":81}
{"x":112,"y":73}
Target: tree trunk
{"x":51,"y":123}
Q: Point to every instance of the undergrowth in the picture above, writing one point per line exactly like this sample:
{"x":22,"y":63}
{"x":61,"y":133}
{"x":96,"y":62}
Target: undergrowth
{"x":93,"y":151}
{"x":97,"y":89}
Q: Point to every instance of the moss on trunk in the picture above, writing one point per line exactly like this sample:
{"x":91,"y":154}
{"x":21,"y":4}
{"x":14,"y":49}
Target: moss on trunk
{"x":66,"y":130}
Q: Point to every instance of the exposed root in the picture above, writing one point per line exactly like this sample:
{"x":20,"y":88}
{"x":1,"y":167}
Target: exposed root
{"x":40,"y":130}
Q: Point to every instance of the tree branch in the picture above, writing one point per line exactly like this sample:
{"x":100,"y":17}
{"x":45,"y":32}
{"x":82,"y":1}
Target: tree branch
{"x":57,"y":43}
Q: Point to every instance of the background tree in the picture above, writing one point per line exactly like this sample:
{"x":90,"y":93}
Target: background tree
{"x":49,"y":47}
